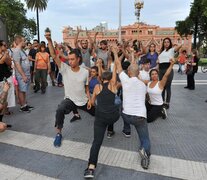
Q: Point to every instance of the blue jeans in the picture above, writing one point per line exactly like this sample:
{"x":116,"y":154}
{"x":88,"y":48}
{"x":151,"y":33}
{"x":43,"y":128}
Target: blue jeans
{"x":140,"y":124}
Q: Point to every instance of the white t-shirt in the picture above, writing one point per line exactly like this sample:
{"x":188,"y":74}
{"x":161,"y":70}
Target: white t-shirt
{"x":144,"y":75}
{"x":165,"y":56}
{"x":74,"y":84}
{"x":134,"y":92}
{"x":155,"y":94}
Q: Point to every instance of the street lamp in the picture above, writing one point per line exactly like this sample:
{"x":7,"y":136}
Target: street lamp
{"x":120,"y":6}
{"x":138,"y":4}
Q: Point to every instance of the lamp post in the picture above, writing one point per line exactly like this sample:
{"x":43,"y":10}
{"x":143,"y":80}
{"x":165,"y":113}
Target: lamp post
{"x":119,"y":38}
{"x":138,"y":4}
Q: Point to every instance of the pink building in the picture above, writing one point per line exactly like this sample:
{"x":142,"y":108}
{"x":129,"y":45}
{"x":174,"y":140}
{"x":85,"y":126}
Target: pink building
{"x":147,"y":34}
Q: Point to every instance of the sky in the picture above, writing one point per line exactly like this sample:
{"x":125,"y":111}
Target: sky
{"x":89,"y":13}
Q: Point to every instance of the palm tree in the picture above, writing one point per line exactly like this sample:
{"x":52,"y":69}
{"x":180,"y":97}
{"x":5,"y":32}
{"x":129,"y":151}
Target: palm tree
{"x":38,"y":5}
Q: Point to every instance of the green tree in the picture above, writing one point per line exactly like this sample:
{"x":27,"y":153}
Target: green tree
{"x":38,"y":5}
{"x":195,"y":23}
{"x":15,"y":19}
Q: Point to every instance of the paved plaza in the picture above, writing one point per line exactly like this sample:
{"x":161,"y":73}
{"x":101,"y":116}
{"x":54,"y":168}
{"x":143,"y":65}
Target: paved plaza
{"x":179,"y":143}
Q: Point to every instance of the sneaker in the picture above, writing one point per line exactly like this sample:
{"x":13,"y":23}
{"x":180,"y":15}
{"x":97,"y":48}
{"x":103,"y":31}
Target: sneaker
{"x":58,"y":140}
{"x":43,"y":91}
{"x":164,"y":113}
{"x":126,"y":134}
{"x":25,"y":109}
{"x":89,"y":173}
{"x":30,"y":107}
{"x":36,"y":90}
{"x":145,"y":159}
{"x":75,"y":118}
{"x":110,"y":134}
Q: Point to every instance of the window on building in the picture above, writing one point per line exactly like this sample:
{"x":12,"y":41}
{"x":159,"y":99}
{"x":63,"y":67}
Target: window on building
{"x":123,"y":32}
{"x":150,"y":32}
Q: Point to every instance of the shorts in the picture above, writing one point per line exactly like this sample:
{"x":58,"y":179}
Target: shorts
{"x":23,"y":87}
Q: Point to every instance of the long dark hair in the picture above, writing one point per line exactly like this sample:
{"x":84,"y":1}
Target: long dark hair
{"x":163,"y":47}
{"x":153,"y":45}
{"x":151,"y":71}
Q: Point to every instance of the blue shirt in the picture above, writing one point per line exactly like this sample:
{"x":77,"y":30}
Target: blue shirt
{"x":92,"y":84}
{"x":153,"y":59}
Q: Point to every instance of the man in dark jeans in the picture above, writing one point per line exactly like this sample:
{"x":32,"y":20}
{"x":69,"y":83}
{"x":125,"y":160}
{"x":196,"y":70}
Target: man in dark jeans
{"x":134,"y":110}
{"x":76,"y":89}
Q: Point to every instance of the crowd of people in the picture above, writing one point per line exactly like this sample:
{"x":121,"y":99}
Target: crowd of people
{"x":105,"y":80}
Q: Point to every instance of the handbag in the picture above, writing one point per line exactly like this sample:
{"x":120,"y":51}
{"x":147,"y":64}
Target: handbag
{"x":189,"y":70}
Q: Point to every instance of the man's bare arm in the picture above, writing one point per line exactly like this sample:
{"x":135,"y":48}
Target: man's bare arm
{"x":76,"y":38}
{"x":52,"y":49}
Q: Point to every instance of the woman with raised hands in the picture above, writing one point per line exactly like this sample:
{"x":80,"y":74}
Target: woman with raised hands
{"x":106,"y":114}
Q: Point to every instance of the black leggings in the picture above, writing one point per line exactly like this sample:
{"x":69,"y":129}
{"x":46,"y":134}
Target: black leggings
{"x":100,"y":126}
{"x":65,"y":107}
{"x":153,"y":112}
{"x":167,"y":87}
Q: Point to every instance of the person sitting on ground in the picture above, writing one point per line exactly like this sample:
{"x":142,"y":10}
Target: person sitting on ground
{"x":106,"y":114}
{"x":76,"y":89}
{"x":155,"y":106}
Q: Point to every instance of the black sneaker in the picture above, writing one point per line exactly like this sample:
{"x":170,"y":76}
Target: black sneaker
{"x":75,"y":118}
{"x":126,"y":134}
{"x":30,"y":107}
{"x":145,"y":159}
{"x":110,"y":134}
{"x":89,"y":173}
{"x":43,"y":91}
{"x":25,"y":109}
{"x":164,"y":113}
{"x":36,"y":90}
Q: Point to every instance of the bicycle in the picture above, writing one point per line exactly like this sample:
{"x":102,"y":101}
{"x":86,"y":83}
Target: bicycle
{"x":204,"y":68}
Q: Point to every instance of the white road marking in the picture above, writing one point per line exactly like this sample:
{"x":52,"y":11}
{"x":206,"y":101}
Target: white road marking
{"x":161,"y":165}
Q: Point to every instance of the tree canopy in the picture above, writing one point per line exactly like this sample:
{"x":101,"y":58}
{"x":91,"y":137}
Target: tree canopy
{"x":14,"y":15}
{"x":195,"y":23}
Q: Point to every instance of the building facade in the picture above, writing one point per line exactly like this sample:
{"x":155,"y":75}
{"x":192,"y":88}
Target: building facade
{"x":143,"y":32}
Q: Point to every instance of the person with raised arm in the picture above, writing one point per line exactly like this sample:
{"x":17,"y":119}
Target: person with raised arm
{"x":77,"y":95}
{"x":85,"y":48}
{"x":155,"y":87}
{"x":106,"y":114}
{"x":167,"y":52}
{"x":134,"y":109}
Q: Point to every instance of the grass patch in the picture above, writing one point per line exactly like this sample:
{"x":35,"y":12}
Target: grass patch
{"x":203,"y":61}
